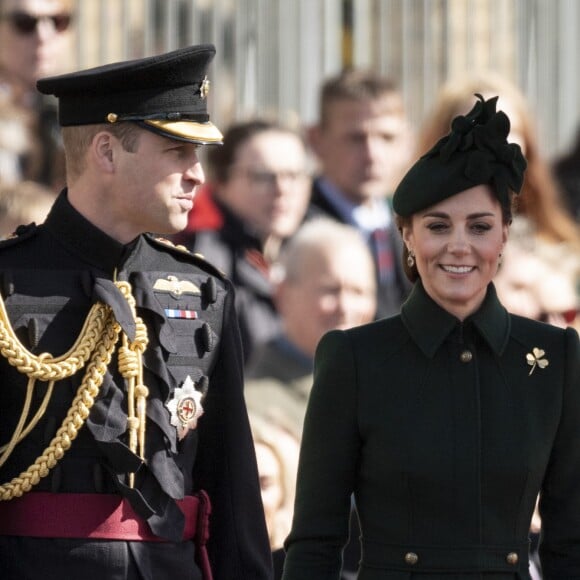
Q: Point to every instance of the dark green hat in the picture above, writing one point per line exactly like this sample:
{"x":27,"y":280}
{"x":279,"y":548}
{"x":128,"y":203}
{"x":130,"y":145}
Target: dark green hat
{"x":166,"y":94}
{"x":475,"y":152}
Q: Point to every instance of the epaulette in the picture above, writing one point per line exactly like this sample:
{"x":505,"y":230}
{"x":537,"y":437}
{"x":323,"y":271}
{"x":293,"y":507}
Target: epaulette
{"x":181,"y":250}
{"x":21,"y":234}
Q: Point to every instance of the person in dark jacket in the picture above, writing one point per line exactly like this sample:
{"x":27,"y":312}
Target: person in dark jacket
{"x":256,"y":201}
{"x":363,"y":144}
{"x":448,"y":420}
{"x":125,"y":447}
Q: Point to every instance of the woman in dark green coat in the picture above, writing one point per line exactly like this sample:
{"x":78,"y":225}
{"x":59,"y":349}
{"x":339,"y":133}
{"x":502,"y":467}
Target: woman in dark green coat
{"x":448,"y":420}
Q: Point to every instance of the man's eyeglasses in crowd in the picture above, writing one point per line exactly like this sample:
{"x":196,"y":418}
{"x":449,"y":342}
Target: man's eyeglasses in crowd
{"x":269,"y":178}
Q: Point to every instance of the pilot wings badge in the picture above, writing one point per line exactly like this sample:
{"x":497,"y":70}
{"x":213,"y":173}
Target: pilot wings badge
{"x":185,"y":408}
{"x":175,"y":287}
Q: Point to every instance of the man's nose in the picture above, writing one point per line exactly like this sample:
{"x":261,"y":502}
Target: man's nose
{"x":195,"y":172}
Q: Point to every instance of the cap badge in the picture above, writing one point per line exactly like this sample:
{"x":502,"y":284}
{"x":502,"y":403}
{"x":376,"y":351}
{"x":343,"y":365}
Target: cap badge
{"x":175,"y":287}
{"x":535,"y":359}
{"x":204,"y":88}
{"x":185,"y":408}
{"x":112,"y":117}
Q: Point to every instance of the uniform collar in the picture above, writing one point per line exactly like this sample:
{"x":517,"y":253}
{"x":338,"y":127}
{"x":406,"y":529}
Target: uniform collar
{"x":84,"y":239}
{"x":429,"y":324}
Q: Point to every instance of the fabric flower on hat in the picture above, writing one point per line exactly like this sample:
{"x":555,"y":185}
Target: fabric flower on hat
{"x":486,"y":131}
{"x":475,"y":152}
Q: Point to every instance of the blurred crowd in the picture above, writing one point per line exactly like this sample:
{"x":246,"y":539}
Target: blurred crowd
{"x":300,"y":218}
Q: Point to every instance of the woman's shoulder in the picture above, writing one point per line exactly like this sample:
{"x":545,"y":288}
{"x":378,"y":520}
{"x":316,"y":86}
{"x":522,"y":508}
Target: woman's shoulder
{"x":521,"y":325}
{"x":535,"y":334}
{"x":382,"y":327}
{"x":385,"y":333}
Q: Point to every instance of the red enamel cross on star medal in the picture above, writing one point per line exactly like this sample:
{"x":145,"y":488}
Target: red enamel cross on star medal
{"x":185,"y":408}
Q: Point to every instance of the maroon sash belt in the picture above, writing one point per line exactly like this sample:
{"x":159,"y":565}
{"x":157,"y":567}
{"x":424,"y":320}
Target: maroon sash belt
{"x":99,"y":516}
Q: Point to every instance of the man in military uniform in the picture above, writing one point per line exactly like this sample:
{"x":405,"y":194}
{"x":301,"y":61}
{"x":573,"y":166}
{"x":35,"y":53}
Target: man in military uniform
{"x":122,"y":419}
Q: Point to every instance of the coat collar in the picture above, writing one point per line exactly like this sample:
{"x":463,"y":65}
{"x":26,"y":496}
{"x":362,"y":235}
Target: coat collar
{"x":429,"y":324}
{"x":84,"y":239}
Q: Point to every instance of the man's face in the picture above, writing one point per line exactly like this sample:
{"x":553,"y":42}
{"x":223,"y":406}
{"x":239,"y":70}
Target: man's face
{"x":34,"y":39}
{"x":152,"y":189}
{"x":268,"y":187}
{"x":363,"y":147}
{"x":326,"y":295}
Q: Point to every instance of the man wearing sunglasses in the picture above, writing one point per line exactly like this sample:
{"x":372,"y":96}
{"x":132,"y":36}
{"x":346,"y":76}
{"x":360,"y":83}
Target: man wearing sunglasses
{"x":35,"y":41}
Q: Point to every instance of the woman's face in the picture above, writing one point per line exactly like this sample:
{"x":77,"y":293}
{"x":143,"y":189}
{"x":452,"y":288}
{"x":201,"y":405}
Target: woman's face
{"x":457,"y":244}
{"x":271,"y":485}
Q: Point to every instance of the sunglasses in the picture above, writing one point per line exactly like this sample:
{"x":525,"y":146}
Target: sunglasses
{"x":26,"y":24}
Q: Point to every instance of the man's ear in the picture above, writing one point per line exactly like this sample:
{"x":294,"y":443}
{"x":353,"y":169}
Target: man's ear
{"x":102,"y":150}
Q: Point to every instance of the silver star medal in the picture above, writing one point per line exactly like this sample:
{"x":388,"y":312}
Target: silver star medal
{"x":185,"y":408}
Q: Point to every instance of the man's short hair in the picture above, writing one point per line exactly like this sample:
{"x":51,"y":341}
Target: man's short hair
{"x":77,"y":140}
{"x":359,"y":85}
{"x":319,"y":234}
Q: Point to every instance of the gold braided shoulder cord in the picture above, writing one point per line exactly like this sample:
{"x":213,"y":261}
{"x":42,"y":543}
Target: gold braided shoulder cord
{"x":96,"y":342}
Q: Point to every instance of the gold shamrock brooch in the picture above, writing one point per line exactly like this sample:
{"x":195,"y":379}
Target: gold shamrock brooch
{"x":535,"y":359}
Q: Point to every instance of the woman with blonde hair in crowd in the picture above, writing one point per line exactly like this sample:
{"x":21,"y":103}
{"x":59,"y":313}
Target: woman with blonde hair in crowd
{"x":277,"y":451}
{"x":540,"y":200}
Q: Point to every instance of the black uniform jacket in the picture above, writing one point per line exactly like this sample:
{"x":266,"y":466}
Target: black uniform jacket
{"x":446,"y":432}
{"x":51,"y":275}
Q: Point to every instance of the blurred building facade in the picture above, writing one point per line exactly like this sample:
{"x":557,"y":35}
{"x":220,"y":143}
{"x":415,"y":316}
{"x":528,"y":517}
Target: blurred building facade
{"x":273,"y":54}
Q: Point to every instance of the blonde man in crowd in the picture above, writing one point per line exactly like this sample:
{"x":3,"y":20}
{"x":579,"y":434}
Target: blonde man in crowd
{"x":323,"y":280}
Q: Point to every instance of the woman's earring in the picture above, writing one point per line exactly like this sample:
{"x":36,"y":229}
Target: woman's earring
{"x":500,"y":260}
{"x":411,"y":259}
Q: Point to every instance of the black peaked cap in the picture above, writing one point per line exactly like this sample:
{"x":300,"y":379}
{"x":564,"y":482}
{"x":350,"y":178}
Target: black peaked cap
{"x":166,"y":93}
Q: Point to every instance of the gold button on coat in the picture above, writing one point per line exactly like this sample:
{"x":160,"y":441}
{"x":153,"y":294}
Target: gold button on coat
{"x":411,"y":558}
{"x":512,"y":558}
{"x":466,"y":356}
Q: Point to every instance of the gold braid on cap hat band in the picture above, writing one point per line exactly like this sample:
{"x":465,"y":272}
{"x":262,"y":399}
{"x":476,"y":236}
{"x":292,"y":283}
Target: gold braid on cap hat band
{"x":96,"y":341}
